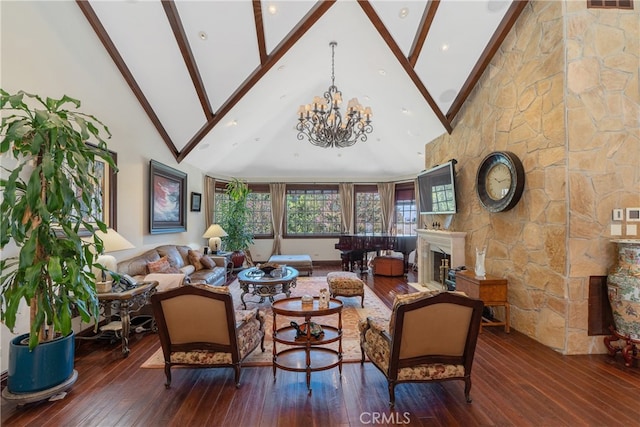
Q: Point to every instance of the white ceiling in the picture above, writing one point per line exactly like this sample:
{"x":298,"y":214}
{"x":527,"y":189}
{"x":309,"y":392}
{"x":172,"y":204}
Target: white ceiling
{"x":251,"y":133}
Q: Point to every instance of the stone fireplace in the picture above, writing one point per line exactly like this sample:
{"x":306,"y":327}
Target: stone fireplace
{"x":432,"y":244}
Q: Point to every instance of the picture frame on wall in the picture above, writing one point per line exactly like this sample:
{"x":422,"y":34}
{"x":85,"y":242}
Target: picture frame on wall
{"x":167,"y":199}
{"x":107,"y":185}
{"x":196,"y":201}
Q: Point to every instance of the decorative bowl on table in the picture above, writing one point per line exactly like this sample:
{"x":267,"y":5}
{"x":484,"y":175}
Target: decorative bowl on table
{"x":268,"y":268}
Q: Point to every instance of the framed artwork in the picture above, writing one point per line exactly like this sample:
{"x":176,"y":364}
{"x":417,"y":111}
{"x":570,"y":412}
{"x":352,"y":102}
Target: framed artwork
{"x":196,"y":201}
{"x":104,"y":207}
{"x":167,"y":199}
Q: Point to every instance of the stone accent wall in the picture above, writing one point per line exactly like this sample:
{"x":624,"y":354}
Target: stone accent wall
{"x":577,"y":149}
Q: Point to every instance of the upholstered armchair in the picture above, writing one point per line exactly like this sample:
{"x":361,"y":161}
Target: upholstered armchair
{"x":199,"y":327}
{"x":431,"y":336}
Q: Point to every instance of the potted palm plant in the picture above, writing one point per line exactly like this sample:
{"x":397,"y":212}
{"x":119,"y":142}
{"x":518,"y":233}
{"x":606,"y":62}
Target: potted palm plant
{"x":239,"y":237}
{"x":51,"y":200}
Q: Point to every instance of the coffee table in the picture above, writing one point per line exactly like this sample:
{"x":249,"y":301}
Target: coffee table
{"x":255,"y":282}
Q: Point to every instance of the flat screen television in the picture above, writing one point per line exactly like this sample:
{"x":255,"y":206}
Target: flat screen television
{"x":437,"y":189}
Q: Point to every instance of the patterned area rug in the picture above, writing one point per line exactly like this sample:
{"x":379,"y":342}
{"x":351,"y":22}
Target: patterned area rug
{"x":351,"y":314}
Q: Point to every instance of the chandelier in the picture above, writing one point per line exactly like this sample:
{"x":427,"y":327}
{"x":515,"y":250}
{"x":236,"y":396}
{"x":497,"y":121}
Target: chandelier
{"x":322,"y":123}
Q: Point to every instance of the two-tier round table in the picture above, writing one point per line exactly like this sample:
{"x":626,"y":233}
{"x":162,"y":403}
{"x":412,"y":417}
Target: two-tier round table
{"x":306,"y":353}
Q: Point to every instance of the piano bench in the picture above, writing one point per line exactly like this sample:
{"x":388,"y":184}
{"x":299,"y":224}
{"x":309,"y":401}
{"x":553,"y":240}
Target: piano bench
{"x":345,"y":284}
{"x":388,"y":266}
{"x":302,"y":263}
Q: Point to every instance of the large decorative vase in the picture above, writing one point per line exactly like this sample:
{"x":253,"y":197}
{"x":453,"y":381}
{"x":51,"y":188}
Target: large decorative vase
{"x":623,"y":286}
{"x":46,"y":366}
{"x":237,"y":257}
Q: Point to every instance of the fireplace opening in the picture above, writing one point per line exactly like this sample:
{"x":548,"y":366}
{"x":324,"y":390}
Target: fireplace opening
{"x":438,"y":258}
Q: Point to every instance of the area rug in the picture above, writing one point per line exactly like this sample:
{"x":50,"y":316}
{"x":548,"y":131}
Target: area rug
{"x":352,"y":312}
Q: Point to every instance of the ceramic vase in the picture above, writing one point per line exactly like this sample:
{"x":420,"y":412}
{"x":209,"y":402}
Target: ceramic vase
{"x":623,"y":286}
{"x":479,"y":268}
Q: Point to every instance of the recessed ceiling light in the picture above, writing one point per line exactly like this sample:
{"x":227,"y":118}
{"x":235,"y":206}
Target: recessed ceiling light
{"x":203,"y":35}
{"x":444,"y":47}
{"x":282,"y":67}
{"x":403,"y":12}
{"x":448,"y":95}
{"x":233,"y":122}
{"x":272,"y":9}
{"x":257,"y":139}
{"x":404,"y":111}
{"x":382,"y":72}
{"x":203,"y":146}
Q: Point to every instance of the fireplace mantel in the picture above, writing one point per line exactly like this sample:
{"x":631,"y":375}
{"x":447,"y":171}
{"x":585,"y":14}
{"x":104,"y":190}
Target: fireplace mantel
{"x":430,"y":241}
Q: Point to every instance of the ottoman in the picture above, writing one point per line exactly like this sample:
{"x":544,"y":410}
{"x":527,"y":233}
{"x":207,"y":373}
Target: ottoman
{"x":302,"y":263}
{"x":346,"y":284}
{"x":388,"y":266}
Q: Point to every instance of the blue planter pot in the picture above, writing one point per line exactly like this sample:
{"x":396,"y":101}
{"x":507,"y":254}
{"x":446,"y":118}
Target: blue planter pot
{"x":48,"y":365}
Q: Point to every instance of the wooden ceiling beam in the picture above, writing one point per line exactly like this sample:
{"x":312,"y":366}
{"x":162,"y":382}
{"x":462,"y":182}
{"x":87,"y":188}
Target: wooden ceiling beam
{"x":319,"y":9}
{"x":404,"y":62}
{"x":173,"y":16}
{"x":257,"y":17}
{"x":421,"y":35}
{"x":101,"y":32}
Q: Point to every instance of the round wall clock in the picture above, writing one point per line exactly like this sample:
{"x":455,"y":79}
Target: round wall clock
{"x":500,"y":181}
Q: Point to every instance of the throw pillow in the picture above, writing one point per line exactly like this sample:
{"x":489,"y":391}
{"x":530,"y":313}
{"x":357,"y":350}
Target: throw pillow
{"x":158,"y":266}
{"x":207,"y":262}
{"x":194,"y":259}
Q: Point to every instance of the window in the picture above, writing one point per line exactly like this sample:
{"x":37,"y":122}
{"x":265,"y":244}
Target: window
{"x":258,"y":202}
{"x":406,"y":221}
{"x":312,"y":211}
{"x":368,"y":213}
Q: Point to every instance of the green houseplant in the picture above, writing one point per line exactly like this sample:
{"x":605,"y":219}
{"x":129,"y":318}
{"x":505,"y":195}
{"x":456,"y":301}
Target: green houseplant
{"x":239,"y":237}
{"x":50,"y":201}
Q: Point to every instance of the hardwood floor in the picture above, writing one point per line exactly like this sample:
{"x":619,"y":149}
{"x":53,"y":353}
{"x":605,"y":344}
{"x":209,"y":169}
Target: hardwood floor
{"x":516,"y":382}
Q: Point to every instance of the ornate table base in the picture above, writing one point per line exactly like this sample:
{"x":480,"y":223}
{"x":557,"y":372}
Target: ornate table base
{"x":628,"y":346}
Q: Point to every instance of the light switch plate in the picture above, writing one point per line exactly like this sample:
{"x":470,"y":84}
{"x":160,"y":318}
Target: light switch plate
{"x":632,"y":229}
{"x":633,"y":214}
{"x":617,"y":215}
{"x":616,"y":229}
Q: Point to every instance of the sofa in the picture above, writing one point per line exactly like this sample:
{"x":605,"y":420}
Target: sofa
{"x":177,"y":264}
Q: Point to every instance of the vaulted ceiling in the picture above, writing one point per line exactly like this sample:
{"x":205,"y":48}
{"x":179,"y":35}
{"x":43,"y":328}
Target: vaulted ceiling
{"x":222,"y":80}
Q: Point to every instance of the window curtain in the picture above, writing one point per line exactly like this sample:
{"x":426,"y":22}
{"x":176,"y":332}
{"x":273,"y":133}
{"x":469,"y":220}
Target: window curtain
{"x":278,"y":201}
{"x":416,"y":193}
{"x":209,"y":200}
{"x":345,"y":192}
{"x":387,"y":191}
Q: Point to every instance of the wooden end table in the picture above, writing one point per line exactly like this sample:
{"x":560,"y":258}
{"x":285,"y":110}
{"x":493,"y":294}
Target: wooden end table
{"x":126,"y":301}
{"x":306,"y":353}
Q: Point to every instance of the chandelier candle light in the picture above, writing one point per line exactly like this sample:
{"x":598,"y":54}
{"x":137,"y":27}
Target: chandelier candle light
{"x":322,"y":123}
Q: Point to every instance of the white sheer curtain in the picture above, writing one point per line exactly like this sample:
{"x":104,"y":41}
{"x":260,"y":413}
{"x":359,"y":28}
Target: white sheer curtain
{"x":278,"y":200}
{"x":345,"y":192}
{"x":387,"y":191}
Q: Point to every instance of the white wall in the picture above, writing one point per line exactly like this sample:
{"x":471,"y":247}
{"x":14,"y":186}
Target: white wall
{"x":48,"y":48}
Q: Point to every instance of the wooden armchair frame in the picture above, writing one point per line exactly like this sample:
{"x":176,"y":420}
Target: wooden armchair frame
{"x":433,"y":338}
{"x":199,"y":327}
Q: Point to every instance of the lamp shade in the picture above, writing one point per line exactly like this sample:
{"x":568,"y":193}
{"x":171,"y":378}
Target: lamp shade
{"x":112,"y":241}
{"x":214,"y":233}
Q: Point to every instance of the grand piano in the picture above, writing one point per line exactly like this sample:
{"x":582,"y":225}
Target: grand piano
{"x":354,"y":248}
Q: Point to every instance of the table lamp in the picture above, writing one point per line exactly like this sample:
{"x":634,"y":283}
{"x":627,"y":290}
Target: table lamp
{"x":111,"y":242}
{"x":214,"y":233}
